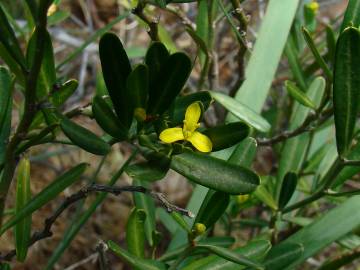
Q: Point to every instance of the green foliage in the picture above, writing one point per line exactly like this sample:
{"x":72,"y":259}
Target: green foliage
{"x":283,"y":152}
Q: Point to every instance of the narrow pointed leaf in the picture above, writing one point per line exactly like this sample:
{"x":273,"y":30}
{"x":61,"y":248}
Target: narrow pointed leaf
{"x":116,"y":68}
{"x":242,"y":112}
{"x":280,"y":257}
{"x":255,"y":250}
{"x":46,"y":195}
{"x":22,"y":230}
{"x":244,"y":153}
{"x":9,"y":40}
{"x":352,"y":15}
{"x":172,"y":78}
{"x":134,"y":261}
{"x":318,"y":58}
{"x":5,"y":109}
{"x":135,"y":233}
{"x":84,"y":138}
{"x":299,"y":95}
{"x":47,"y":75}
{"x":346,"y":87}
{"x":232,"y":256}
{"x":215,"y":173}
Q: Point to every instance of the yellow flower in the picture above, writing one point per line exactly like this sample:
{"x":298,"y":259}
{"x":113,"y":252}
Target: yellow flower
{"x":188,"y":133}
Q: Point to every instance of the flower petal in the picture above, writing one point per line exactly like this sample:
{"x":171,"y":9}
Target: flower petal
{"x":200,"y":141}
{"x":171,"y":135}
{"x":192,"y":116}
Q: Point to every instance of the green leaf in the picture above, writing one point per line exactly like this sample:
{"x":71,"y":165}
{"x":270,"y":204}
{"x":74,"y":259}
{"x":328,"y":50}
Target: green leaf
{"x":47,"y":75}
{"x":349,"y":171}
{"x":244,"y":153}
{"x":255,"y":250}
{"x":281,"y":256}
{"x":263,"y":194}
{"x":294,"y":150}
{"x":299,"y":95}
{"x":212,"y":208}
{"x":46,"y":195}
{"x":137,"y":85}
{"x":147,"y":171}
{"x":262,"y":64}
{"x":178,"y":109}
{"x":146,"y":203}
{"x":225,"y":136}
{"x":135,"y":262}
{"x":172,"y":77}
{"x":242,"y":112}
{"x":346,"y":87}
{"x":324,"y":230}
{"x":215,"y":173}
{"x":318,"y":58}
{"x":352,"y":15}
{"x":116,"y":69}
{"x":180,"y":221}
{"x":12,"y":64}
{"x":9,"y":40}
{"x":331,"y":43}
{"x":66,"y":90}
{"x":295,"y":66}
{"x":22,"y":230}
{"x":287,"y":189}
{"x":156,"y":56}
{"x":84,"y":138}
{"x":231,"y":256}
{"x":5,"y":110}
{"x":135,"y":234}
{"x":107,"y":120}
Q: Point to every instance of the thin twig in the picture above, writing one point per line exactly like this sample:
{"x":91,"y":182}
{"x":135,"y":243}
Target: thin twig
{"x":304,"y":127}
{"x":152,"y":23}
{"x":83,"y":193}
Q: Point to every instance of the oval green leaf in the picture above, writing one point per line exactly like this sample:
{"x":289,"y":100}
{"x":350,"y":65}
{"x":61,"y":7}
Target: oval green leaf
{"x":172,"y":78}
{"x":147,"y":171}
{"x":116,"y":68}
{"x":225,"y":136}
{"x":84,"y":138}
{"x":212,"y":208}
{"x":107,"y":120}
{"x":346,"y":87}
{"x":287,"y":189}
{"x":215,"y":173}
